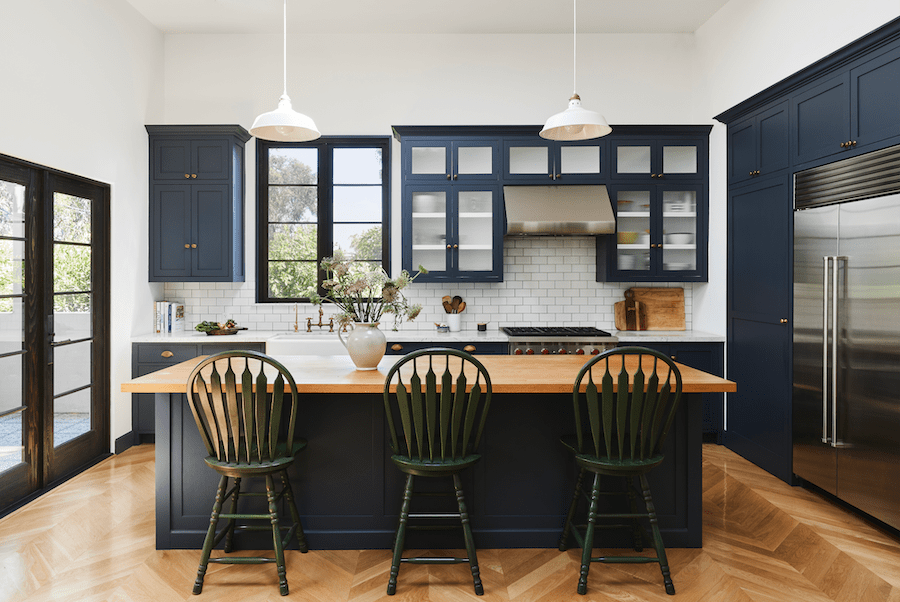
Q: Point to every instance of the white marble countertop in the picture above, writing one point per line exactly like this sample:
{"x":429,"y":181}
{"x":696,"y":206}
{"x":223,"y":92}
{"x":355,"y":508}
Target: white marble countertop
{"x":463,"y":336}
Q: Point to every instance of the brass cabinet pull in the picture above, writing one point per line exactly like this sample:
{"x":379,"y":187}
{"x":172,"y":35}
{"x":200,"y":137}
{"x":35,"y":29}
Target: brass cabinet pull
{"x":396,"y":347}
{"x":448,"y":246}
{"x":653,"y":175}
{"x":448,"y":176}
{"x":455,"y":246}
{"x":193,"y":246}
{"x":469,"y":348}
{"x":558,"y":176}
{"x":187,"y":246}
{"x":187,"y":175}
{"x":193,"y":175}
{"x":167,"y":354}
{"x":783,"y":320}
{"x":455,"y":176}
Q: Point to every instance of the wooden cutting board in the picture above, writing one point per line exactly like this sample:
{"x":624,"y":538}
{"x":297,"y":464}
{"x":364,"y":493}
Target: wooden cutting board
{"x":660,"y":308}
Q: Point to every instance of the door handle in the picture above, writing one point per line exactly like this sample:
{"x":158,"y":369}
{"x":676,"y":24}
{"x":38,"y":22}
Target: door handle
{"x":834,"y":348}
{"x":825,"y":438}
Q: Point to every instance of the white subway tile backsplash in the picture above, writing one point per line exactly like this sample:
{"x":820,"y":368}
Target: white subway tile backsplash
{"x":547,"y":280}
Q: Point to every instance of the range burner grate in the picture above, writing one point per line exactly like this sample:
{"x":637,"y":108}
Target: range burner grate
{"x":554,"y":331}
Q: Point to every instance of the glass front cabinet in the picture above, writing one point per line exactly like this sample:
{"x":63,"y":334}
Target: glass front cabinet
{"x":543,"y":162}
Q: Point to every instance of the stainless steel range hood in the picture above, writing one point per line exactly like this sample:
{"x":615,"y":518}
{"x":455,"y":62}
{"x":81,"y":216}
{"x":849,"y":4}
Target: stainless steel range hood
{"x":558,"y":210}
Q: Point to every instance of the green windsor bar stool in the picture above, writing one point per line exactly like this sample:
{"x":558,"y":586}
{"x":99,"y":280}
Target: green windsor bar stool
{"x":240,"y":424}
{"x":620,"y":433}
{"x":441,"y":398}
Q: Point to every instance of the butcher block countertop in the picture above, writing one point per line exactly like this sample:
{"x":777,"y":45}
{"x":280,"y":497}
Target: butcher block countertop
{"x":509,"y":374}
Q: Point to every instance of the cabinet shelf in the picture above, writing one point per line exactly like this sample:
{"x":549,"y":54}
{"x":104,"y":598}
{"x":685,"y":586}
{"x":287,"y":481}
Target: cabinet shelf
{"x":690,"y":214}
{"x":633,"y":214}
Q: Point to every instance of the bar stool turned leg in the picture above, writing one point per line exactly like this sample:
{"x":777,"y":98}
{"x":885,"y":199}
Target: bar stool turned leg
{"x":571,"y":515}
{"x":400,"y":537}
{"x":210,"y":534}
{"x":295,"y":515}
{"x":589,"y":536}
{"x":276,"y":535}
{"x":637,"y":533}
{"x":229,"y":538}
{"x":657,"y":537}
{"x":467,"y":534}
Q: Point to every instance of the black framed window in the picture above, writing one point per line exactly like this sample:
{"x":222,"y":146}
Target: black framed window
{"x":317,"y":199}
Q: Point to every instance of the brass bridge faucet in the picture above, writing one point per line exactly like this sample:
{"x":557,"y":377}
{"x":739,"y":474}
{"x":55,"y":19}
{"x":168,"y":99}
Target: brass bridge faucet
{"x":330,"y":323}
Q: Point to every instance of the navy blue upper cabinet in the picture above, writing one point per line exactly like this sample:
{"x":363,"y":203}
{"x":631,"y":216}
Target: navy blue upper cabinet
{"x":197,"y":203}
{"x":530,"y":159}
{"x":649,"y":158}
{"x":822,"y":120}
{"x":451,"y":160}
{"x":758,"y":146}
{"x":875,"y":99}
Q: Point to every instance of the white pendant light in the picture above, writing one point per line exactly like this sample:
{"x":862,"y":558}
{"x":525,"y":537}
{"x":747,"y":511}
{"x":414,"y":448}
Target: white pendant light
{"x":575,"y":123}
{"x":284,"y":124}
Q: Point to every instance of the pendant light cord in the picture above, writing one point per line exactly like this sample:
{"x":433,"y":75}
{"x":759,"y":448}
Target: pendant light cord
{"x":284,"y":61}
{"x":574,"y":46}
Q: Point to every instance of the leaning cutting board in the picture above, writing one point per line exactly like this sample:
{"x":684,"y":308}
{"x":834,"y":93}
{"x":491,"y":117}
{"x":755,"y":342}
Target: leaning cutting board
{"x":662,"y":308}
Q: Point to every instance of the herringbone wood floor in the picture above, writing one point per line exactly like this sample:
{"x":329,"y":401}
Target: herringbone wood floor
{"x":92,"y":539}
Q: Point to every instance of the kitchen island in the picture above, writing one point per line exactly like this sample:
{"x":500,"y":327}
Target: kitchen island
{"x":349,"y":491}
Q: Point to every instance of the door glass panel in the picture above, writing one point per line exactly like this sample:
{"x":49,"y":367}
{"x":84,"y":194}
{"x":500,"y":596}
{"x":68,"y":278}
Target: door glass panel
{"x":476,"y":224}
{"x":71,"y":317}
{"x":12,"y":216}
{"x":633,"y":159}
{"x":679,"y":159}
{"x":429,"y":230}
{"x":579,"y":159}
{"x":679,"y":230}
{"x":474,"y":160}
{"x":429,"y":160}
{"x":633,"y":230}
{"x":529,"y":159}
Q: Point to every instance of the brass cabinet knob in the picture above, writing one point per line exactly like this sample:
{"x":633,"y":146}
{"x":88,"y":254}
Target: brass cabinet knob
{"x":751,"y":173}
{"x":469,"y":348}
{"x":550,"y":175}
{"x":448,"y":176}
{"x":396,"y":347}
{"x":843,"y":144}
{"x":853,"y":143}
{"x":187,"y":246}
{"x":558,"y":176}
{"x":455,"y":246}
{"x":674,"y":358}
{"x":448,"y":246}
{"x":783,"y":320}
{"x":193,"y":246}
{"x":456,"y":176}
{"x":659,"y":176}
{"x":193,"y":175}
{"x":187,"y":175}
{"x":167,"y":354}
{"x":653,"y":175}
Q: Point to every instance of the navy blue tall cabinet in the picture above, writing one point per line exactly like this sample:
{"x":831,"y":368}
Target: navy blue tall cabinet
{"x":846,"y":104}
{"x":197,"y":203}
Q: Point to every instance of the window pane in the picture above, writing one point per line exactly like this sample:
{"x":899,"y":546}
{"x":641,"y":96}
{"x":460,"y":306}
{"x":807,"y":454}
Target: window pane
{"x":11,"y":378}
{"x":12,"y":253}
{"x":293,"y":165}
{"x":357,"y":166}
{"x":291,"y":279}
{"x":72,"y":317}
{"x":71,"y":416}
{"x":71,"y":218}
{"x":12,"y":216}
{"x":357,"y":203}
{"x":292,"y":241}
{"x":361,"y":241}
{"x":11,"y":447}
{"x":71,"y":268}
{"x":293,"y":203}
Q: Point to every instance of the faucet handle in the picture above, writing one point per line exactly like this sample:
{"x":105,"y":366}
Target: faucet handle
{"x":308,"y":324}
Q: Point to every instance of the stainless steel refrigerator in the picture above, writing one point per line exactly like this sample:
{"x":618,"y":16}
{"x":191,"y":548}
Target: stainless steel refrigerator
{"x":846,"y":352}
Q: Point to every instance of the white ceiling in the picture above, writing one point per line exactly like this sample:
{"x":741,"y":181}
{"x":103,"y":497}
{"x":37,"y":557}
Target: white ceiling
{"x":427,"y":16}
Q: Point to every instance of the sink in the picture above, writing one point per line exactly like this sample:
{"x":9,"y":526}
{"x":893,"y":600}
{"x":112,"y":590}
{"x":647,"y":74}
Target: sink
{"x":305,"y":343}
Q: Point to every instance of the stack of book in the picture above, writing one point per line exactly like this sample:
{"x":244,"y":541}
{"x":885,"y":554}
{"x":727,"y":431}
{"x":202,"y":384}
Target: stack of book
{"x":169,"y":317}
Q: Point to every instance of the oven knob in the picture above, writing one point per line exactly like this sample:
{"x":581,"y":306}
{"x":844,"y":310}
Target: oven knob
{"x":595,"y":351}
{"x":545,"y":351}
{"x":529,"y":351}
{"x":518,"y":352}
{"x":562,"y":351}
{"x":579,"y":351}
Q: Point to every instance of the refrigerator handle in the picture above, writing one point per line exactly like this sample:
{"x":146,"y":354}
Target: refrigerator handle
{"x":834,"y":348}
{"x":825,"y":438}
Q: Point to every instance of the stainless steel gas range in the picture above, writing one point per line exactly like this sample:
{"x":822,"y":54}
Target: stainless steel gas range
{"x":558,"y":340}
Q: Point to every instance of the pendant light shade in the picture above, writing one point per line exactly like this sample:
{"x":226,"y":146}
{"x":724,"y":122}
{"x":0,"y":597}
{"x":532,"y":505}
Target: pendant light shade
{"x":284,"y":124}
{"x":576,"y":122}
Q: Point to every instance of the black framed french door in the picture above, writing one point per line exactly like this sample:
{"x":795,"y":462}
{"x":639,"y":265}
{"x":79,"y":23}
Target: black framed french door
{"x":54,"y":326}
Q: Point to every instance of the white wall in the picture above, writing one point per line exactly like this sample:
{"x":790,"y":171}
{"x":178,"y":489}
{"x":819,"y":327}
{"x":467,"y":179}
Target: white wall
{"x":743,"y":49}
{"x":80,"y":81}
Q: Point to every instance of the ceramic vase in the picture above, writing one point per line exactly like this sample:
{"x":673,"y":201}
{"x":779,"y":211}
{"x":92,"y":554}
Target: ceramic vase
{"x":365,"y":344}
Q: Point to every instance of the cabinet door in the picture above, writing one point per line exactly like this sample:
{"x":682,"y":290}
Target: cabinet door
{"x":528,"y":160}
{"x":425,"y":228}
{"x":681,"y":250}
{"x":477,"y":241}
{"x":708,"y":357}
{"x":875,"y":99}
{"x":579,"y":162}
{"x":475,"y":160}
{"x":171,"y":159}
{"x":821,"y":117}
{"x":170,"y":231}
{"x":474,"y":347}
{"x":427,"y":160}
{"x":759,"y":299}
{"x":774,"y":144}
{"x":212,"y":218}
{"x":211,"y":159}
{"x":743,"y":155}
